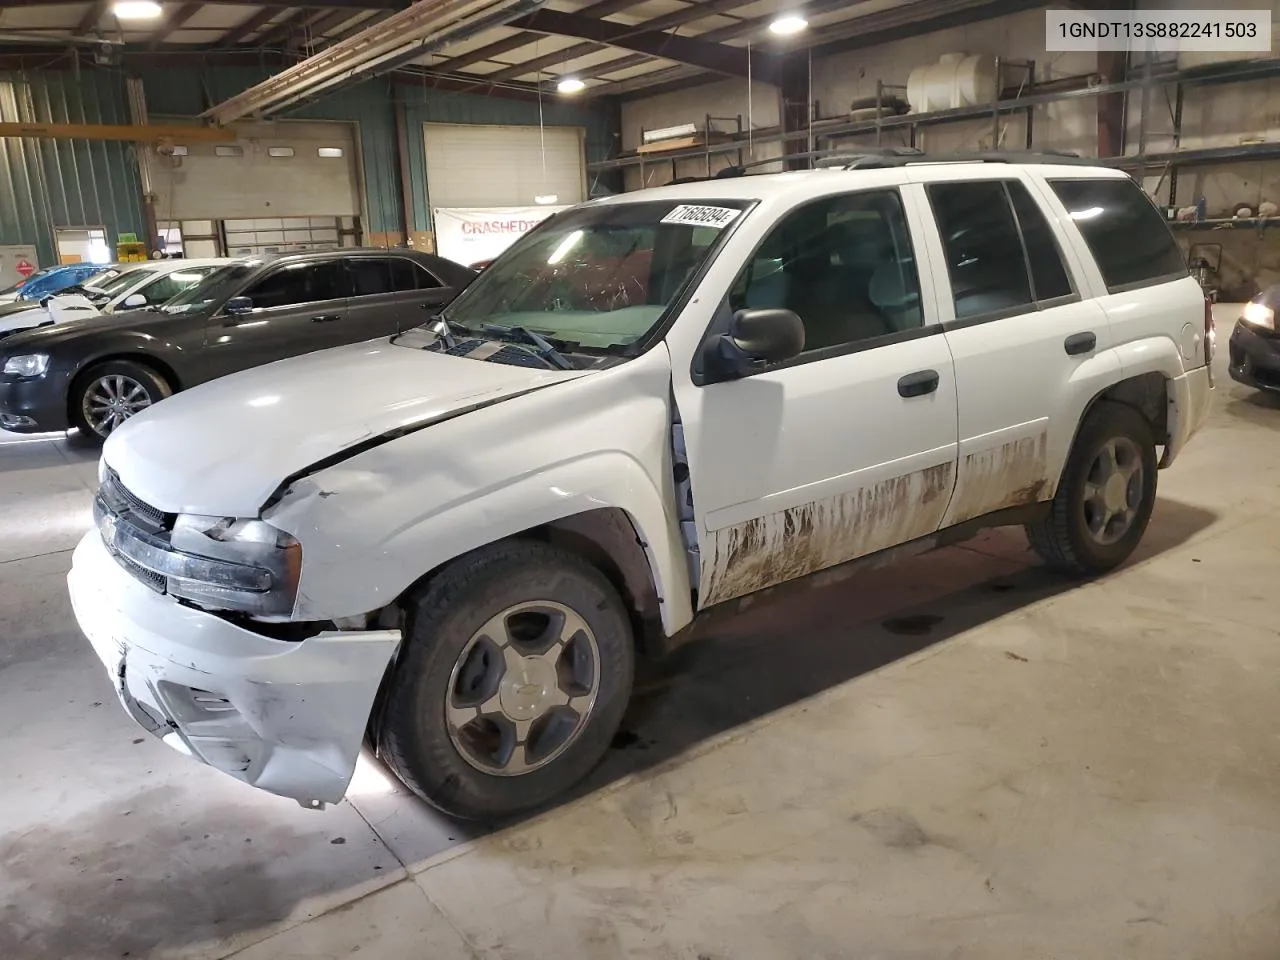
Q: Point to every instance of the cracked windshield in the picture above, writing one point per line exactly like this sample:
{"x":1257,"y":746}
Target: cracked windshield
{"x":588,"y":283}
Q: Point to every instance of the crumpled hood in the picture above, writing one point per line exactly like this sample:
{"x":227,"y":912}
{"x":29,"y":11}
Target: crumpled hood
{"x":223,"y":448}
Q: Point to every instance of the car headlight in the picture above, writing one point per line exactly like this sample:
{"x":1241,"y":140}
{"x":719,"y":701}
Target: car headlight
{"x":1259,"y":315}
{"x":27,"y":365}
{"x":250,"y":565}
{"x":217,"y":563}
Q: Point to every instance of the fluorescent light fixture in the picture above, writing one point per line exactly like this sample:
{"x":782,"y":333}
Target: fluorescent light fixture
{"x":789,"y":25}
{"x":228,"y":150}
{"x":571,"y":85}
{"x":329,"y":153}
{"x":280,"y":151}
{"x":546,"y":198}
{"x":136,"y":9}
{"x":1088,"y":213}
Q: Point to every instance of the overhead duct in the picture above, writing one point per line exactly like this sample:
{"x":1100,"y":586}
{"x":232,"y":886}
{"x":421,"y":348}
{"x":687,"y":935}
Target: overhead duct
{"x":426,"y":26}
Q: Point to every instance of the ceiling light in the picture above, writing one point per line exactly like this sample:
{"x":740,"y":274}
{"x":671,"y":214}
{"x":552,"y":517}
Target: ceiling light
{"x":546,"y":198}
{"x":789,"y":25}
{"x":136,"y":9}
{"x":571,"y":85}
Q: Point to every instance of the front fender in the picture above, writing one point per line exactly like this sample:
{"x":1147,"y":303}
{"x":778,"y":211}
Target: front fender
{"x":372,"y":526}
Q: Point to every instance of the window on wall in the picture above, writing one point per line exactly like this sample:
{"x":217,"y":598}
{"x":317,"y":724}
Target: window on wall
{"x":844,"y":265}
{"x":1122,"y":228}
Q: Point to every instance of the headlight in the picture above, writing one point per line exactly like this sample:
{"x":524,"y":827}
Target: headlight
{"x":1259,"y":315}
{"x":217,"y":563}
{"x":252,"y":566}
{"x":27,"y":365}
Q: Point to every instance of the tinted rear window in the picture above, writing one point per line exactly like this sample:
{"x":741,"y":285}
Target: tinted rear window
{"x":1124,"y":231}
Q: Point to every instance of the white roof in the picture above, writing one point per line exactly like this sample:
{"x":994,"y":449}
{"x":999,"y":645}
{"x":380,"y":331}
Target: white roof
{"x":804,"y":183}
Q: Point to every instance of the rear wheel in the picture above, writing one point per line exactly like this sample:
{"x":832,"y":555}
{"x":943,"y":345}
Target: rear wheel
{"x":517,"y":669}
{"x":1104,"y":501}
{"x":109,"y":394}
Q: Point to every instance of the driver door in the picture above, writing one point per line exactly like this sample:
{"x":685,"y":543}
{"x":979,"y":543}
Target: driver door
{"x":847,"y":449}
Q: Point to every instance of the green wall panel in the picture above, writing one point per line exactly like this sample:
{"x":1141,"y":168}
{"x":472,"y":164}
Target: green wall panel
{"x":65,"y":183}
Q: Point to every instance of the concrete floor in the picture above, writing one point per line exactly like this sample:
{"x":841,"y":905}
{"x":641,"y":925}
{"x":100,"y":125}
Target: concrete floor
{"x":958,"y":757}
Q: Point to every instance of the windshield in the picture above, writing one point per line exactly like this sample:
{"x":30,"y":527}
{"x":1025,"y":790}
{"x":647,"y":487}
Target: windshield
{"x":597,"y":276}
{"x":213,"y":289}
{"x":123,"y":282}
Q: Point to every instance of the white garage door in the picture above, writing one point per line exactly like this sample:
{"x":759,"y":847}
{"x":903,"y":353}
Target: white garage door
{"x":477,"y":165}
{"x":275,"y":170}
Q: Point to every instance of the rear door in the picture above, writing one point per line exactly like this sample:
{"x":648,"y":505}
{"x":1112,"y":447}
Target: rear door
{"x":1030,"y":349}
{"x":296,"y":309}
{"x":388,"y":295}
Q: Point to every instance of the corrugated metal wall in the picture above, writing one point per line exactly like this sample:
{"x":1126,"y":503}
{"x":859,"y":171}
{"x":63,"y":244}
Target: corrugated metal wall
{"x":65,"y":183}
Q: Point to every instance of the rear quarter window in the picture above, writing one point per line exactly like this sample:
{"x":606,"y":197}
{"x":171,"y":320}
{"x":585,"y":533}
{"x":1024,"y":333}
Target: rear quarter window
{"x":1124,"y":231}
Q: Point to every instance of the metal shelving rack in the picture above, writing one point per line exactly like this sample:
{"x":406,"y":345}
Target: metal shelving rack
{"x":705,"y":151}
{"x":1152,"y":76}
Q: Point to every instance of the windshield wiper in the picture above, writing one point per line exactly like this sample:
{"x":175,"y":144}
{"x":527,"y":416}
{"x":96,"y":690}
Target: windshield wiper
{"x":545,"y":348}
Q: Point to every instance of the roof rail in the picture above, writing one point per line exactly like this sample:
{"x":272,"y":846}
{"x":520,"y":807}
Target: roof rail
{"x":906,"y":156}
{"x":876,"y":158}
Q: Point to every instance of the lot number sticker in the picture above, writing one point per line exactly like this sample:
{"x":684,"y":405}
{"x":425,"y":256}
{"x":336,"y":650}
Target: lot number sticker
{"x":716,"y":217}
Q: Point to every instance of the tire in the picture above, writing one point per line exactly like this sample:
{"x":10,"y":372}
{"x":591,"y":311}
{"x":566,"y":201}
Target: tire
{"x":458,"y":768}
{"x":137,"y":385}
{"x":1071,"y":539}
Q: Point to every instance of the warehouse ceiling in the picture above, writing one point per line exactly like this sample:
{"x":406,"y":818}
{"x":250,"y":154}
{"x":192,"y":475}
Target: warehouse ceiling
{"x":616,"y":47}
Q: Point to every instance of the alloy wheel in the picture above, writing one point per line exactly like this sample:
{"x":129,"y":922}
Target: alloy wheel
{"x":111,"y":400}
{"x":1113,"y":490}
{"x":523,"y":688}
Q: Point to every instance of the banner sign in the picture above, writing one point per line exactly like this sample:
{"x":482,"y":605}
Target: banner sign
{"x":471,"y":235}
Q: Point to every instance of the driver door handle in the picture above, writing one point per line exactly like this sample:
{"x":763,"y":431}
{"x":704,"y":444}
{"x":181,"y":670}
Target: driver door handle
{"x":326,"y":318}
{"x":918,"y":384}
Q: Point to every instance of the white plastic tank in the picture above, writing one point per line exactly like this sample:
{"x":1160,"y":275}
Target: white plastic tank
{"x":956,"y":80}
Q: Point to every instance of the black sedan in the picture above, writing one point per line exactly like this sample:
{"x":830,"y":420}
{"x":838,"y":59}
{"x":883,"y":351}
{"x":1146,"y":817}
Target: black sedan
{"x":1255,"y":343}
{"x":95,"y":373}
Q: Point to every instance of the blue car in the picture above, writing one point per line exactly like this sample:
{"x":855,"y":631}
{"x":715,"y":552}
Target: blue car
{"x":51,"y":280}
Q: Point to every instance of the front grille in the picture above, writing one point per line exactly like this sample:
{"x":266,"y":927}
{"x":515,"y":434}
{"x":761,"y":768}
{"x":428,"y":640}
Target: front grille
{"x":128,"y":511}
{"x":118,"y":496}
{"x":148,"y":578}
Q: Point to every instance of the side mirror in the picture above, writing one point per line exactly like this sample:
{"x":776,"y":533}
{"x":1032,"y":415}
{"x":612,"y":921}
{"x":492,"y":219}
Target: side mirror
{"x":133,"y":301}
{"x":238,"y":306}
{"x":757,"y":338}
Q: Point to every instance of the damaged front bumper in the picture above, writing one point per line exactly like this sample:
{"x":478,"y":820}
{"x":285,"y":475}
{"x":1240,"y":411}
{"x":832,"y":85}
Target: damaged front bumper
{"x":288,"y":718}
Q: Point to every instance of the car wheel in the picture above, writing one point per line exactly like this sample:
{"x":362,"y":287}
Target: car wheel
{"x":109,"y":394}
{"x":1106,"y":495}
{"x":516,"y":670}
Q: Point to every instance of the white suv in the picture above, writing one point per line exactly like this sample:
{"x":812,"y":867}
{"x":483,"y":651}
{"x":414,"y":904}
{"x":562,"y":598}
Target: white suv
{"x":454,"y":543}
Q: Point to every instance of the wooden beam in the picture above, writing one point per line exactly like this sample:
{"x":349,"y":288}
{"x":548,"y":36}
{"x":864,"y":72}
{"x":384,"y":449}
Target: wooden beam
{"x":715,"y":57}
{"x":111,"y":131}
{"x":92,"y":17}
{"x":247,"y":26}
{"x":176,"y":20}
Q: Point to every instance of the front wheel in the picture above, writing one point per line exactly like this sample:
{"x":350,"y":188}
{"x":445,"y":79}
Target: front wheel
{"x":516,"y":671}
{"x":1106,"y":495}
{"x":109,"y":394}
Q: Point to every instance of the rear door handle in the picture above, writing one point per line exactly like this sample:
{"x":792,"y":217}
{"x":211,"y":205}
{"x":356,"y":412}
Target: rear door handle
{"x":1079,"y":343}
{"x":326,"y":318}
{"x":918,"y":384}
